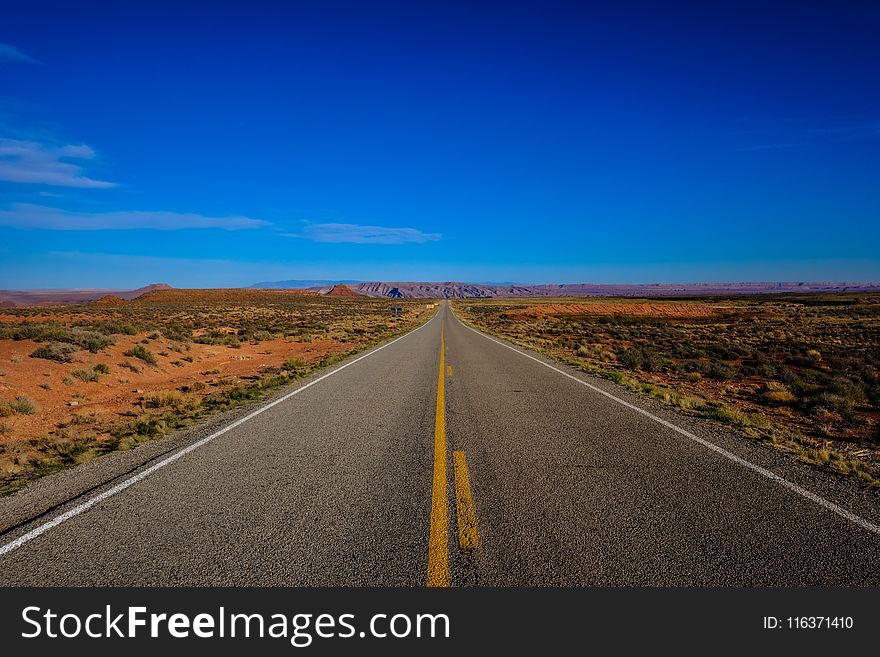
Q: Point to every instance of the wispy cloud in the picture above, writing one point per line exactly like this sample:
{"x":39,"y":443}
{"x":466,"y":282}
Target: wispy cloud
{"x":31,"y":162}
{"x":26,"y":215}
{"x":355,"y":234}
{"x":11,"y":53}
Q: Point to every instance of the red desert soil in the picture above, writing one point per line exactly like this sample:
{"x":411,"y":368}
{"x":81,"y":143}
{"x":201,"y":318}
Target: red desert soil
{"x":641,"y":309}
{"x":122,"y":390}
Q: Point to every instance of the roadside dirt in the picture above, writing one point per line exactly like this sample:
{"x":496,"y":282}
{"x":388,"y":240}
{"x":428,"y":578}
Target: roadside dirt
{"x":63,"y":398}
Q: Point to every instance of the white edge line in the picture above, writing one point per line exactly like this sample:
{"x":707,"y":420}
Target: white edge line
{"x":803,"y":492}
{"x":97,"y":499}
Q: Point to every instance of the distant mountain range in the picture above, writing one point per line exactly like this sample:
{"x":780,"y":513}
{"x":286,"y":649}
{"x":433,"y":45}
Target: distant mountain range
{"x":450,"y":290}
{"x":458,"y":290}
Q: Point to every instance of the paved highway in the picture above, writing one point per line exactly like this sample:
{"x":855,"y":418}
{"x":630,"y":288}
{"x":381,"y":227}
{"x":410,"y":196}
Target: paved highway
{"x":448,"y":458}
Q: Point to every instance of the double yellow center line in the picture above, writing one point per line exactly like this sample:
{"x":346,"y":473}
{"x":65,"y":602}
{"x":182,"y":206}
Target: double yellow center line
{"x":438,"y":538}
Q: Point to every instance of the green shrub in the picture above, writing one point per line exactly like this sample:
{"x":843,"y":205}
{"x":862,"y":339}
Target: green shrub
{"x":85,"y":375}
{"x":295,"y":364}
{"x":636,"y":358}
{"x":172,"y":399}
{"x":777,"y":393}
{"x":23,"y":405}
{"x":720,"y":371}
{"x":89,"y":340}
{"x":141,"y":352}
{"x":61,"y":352}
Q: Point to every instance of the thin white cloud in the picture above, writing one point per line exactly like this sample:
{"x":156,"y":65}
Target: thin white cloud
{"x":355,"y":234}
{"x":31,"y":162}
{"x":11,"y":53}
{"x":27,"y":215}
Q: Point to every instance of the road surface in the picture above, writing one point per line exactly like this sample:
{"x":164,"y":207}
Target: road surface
{"x":451,"y":459}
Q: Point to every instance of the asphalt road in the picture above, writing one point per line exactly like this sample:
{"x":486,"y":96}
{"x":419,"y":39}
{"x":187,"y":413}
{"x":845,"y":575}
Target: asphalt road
{"x":359,"y":479}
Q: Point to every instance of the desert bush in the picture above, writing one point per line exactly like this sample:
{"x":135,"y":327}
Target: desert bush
{"x":833,"y":401}
{"x":67,"y":448}
{"x":23,"y":405}
{"x":34,"y":331}
{"x":295,"y":364}
{"x":89,"y":340}
{"x":86,"y":376}
{"x":172,"y":399}
{"x":194,"y":387}
{"x":111,"y":327}
{"x":637,"y":358}
{"x":720,"y":371}
{"x":148,"y":427}
{"x":176,"y":332}
{"x":102,"y":368}
{"x":777,"y":393}
{"x":850,"y":390}
{"x":61,"y":352}
{"x":142,"y":353}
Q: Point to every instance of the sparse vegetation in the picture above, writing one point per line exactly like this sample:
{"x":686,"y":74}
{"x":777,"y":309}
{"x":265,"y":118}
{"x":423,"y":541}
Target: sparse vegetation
{"x":60,"y":352}
{"x":22,"y":405}
{"x":196,"y":330}
{"x":801,"y":372}
{"x":142,"y":353}
{"x":295,"y":365}
{"x":85,"y":375}
{"x":54,"y":332}
{"x":174,"y":400}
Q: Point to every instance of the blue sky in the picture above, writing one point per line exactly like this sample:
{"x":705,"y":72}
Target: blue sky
{"x":528,"y":142}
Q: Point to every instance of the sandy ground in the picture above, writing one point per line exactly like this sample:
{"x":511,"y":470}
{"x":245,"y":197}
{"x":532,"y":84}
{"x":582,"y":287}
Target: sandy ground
{"x":122,"y":390}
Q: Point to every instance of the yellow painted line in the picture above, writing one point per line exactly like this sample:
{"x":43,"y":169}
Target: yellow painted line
{"x":449,"y":370}
{"x":468,"y":537}
{"x":438,"y":539}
